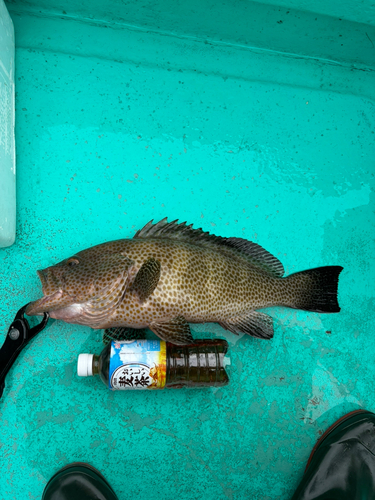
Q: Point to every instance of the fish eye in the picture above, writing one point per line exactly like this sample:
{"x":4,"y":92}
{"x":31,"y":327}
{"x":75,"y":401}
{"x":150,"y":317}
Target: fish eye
{"x":72,"y":262}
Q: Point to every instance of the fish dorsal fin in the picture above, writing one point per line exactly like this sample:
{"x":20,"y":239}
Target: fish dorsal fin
{"x":232,"y":246}
{"x":258,"y":254}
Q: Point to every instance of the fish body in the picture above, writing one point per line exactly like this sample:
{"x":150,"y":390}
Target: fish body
{"x":170,"y":275}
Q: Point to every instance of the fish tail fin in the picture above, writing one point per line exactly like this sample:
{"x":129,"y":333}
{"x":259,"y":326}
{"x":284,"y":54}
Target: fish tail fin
{"x":314,"y":289}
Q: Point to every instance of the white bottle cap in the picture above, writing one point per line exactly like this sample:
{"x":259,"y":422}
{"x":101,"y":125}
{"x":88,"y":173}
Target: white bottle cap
{"x":84,"y":365}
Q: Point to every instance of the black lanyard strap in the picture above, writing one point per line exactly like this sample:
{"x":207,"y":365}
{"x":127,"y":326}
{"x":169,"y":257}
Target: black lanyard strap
{"x":19,"y":335}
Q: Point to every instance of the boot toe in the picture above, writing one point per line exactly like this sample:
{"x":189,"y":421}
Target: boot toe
{"x":342,"y":463}
{"x":78,"y":481}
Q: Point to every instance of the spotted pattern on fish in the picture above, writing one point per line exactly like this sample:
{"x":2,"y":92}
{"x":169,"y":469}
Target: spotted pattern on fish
{"x":170,"y":275}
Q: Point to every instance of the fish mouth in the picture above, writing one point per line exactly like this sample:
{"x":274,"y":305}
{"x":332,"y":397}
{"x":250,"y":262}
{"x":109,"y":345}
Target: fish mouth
{"x":45,"y":304}
{"x":54,"y":297}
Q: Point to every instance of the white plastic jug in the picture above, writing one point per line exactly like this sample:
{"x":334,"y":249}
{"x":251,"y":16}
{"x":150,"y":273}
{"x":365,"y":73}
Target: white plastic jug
{"x":7,"y":146}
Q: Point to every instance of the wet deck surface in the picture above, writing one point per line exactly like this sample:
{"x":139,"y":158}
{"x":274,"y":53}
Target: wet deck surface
{"x":275,"y":149}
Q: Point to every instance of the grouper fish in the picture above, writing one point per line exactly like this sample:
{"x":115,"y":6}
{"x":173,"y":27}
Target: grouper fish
{"x":170,"y":275}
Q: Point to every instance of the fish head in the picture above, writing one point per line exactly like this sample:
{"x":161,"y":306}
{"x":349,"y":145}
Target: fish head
{"x":89,"y":283}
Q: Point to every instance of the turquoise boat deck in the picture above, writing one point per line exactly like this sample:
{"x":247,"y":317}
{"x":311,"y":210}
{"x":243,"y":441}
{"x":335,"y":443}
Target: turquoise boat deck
{"x":247,"y":119}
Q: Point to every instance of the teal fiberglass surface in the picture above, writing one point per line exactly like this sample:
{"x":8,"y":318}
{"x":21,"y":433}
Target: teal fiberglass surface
{"x":122,"y":119}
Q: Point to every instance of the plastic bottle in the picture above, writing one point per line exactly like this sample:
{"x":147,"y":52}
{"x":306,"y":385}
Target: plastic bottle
{"x":155,"y":364}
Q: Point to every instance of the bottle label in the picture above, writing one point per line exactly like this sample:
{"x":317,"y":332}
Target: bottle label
{"x":137,"y":364}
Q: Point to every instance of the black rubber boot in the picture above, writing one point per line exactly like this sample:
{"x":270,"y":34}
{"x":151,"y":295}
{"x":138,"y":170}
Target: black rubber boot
{"x":342,"y":463}
{"x":78,"y":481}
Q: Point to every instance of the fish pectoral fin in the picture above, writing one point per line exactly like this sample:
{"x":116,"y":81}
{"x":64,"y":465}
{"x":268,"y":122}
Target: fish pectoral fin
{"x":176,"y":331}
{"x":147,"y":279}
{"x":122,"y":333}
{"x":254,"y":323}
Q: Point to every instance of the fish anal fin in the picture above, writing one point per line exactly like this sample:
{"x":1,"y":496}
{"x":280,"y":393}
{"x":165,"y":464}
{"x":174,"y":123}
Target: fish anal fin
{"x":122,"y":333}
{"x":147,"y":279}
{"x":253,"y":323}
{"x":176,"y":331}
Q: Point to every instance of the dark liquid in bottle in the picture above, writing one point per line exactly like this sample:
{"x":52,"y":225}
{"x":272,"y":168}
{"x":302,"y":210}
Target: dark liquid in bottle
{"x":197,"y":365}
